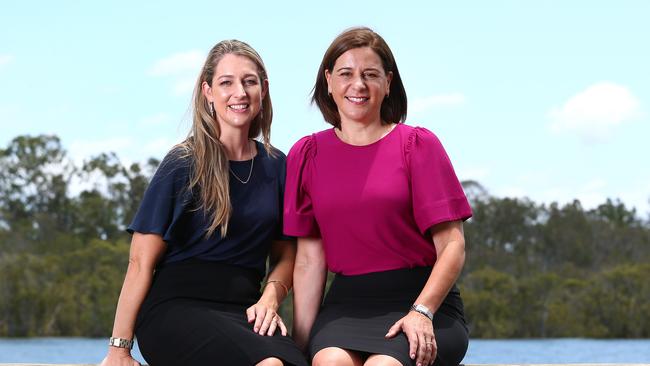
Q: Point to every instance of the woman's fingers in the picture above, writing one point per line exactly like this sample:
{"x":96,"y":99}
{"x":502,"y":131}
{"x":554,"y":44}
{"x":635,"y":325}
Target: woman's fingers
{"x":250,"y":314}
{"x":394,"y":329}
{"x":413,"y":342}
{"x":422,"y":350}
{"x":434,"y":350}
{"x":283,"y":328}
{"x":266,"y":320}
{"x":273,"y":326}
{"x":419,"y":332}
{"x":430,"y":350}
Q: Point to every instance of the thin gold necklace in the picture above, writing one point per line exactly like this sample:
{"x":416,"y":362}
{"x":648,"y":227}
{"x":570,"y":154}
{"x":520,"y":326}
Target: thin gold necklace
{"x":250,"y":172}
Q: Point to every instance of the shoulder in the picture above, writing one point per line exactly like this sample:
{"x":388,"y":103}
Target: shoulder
{"x":176,"y":163}
{"x":274,"y":156}
{"x":308,"y":145}
{"x":305,"y":148}
{"x":417,"y":138}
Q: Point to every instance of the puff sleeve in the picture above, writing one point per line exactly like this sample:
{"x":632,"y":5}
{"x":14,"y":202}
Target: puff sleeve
{"x":436,"y":192}
{"x":298,"y":215}
{"x":164,"y":202}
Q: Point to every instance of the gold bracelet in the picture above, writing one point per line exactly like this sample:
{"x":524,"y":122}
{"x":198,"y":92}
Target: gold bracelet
{"x":281,"y":284}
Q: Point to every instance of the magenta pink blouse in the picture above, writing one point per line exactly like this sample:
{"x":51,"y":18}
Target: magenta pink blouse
{"x":372,"y":205}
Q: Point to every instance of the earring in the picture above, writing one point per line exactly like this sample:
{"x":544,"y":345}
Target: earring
{"x":261,"y":113}
{"x":211,"y":109}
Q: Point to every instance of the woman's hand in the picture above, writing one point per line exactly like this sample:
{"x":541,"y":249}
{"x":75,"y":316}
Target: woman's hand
{"x":266,"y":319}
{"x":119,"y":357}
{"x":419,"y":332}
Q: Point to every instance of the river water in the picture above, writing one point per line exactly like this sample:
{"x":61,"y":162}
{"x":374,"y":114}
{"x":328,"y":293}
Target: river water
{"x":87,"y":350}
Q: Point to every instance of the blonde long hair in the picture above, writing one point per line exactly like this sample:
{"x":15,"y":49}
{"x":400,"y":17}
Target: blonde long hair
{"x":210,"y":166}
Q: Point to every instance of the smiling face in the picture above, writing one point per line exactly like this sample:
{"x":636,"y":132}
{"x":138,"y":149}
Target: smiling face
{"x":236,"y":91}
{"x":358,"y":85}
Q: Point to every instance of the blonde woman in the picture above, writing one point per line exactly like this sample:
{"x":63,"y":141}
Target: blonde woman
{"x":209,"y":220}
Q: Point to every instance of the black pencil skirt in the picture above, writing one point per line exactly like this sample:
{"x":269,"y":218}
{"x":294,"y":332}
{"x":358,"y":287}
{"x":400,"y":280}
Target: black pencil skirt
{"x":195,"y":314}
{"x":359,"y":310}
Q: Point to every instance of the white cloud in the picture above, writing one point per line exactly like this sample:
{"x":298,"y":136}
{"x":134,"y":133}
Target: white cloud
{"x":178,"y":63}
{"x":182,"y":68}
{"x":6,"y":59}
{"x":425,"y":103}
{"x":594,"y":112}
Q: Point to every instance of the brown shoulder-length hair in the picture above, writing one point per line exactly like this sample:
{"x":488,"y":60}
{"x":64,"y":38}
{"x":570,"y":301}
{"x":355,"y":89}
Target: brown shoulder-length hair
{"x":393,"y":108}
{"x":210,"y":166}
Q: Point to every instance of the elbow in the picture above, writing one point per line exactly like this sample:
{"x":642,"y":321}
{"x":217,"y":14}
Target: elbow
{"x":453,"y":252}
{"x":139,"y":265}
{"x":309,"y":266}
{"x":460,"y":244}
{"x":135,"y":266}
{"x":309,"y":263}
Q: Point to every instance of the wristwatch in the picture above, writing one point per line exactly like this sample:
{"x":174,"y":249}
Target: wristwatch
{"x":120,"y":342}
{"x":422,"y":310}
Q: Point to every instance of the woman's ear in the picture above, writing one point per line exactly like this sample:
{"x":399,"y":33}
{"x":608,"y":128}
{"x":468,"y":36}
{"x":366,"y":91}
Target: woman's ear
{"x":328,"y":75}
{"x":389,"y":78}
{"x":206,"y":89}
{"x":265,"y":87}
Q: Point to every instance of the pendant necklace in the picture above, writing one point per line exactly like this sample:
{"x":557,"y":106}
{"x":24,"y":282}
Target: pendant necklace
{"x":250,"y":172}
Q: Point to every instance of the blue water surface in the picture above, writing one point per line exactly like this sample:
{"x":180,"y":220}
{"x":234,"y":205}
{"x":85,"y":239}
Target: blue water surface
{"x":88,"y":350}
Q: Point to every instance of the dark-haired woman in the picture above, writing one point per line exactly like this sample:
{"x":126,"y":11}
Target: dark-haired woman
{"x":378,"y":203}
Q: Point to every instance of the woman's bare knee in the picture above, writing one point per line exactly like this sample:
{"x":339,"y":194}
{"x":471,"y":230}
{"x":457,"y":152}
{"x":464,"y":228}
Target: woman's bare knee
{"x":381,"y":360}
{"x":271,"y":361}
{"x":334,"y":356}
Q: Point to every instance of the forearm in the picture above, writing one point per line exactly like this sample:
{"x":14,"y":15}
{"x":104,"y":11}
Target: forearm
{"x":309,"y":283}
{"x":444,"y":274}
{"x":136,"y":285}
{"x":274,"y":291}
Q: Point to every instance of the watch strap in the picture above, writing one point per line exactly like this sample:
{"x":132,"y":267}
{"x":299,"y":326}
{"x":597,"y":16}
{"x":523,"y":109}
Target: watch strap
{"x":120,"y":342}
{"x":422,"y":310}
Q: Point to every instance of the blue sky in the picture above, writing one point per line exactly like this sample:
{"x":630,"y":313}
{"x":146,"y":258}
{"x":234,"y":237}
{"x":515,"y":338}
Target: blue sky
{"x":544,"y":99}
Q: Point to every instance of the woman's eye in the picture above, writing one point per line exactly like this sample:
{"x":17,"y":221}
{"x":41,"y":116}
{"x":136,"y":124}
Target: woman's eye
{"x":345,"y":74}
{"x":250,"y":82}
{"x":370,"y":75}
{"x":225,"y":83}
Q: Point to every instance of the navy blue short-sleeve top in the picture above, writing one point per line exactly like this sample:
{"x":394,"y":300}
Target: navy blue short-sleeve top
{"x":170,"y":210}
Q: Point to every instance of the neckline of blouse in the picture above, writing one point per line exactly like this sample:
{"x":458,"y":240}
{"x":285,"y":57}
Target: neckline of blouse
{"x":383,"y":138}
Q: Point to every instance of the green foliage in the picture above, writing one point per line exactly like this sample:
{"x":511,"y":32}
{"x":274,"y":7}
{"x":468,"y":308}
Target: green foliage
{"x":488,"y":295}
{"x":556,"y":271}
{"x":532,"y":270}
{"x":63,"y":257}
